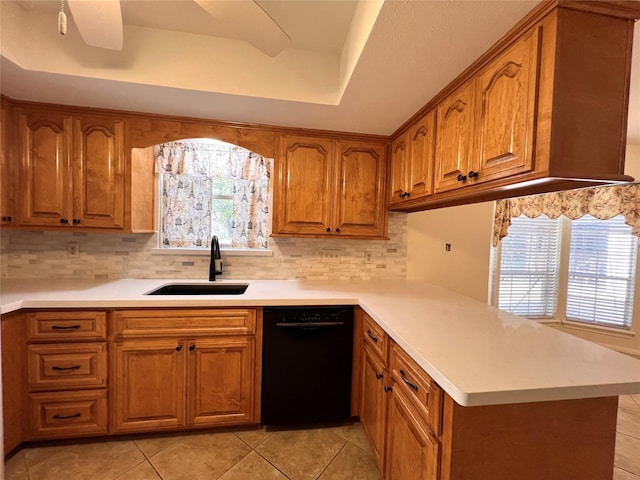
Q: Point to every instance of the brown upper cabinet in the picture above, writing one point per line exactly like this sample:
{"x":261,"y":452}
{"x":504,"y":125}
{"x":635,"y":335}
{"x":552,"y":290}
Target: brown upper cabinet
{"x":326,"y":187}
{"x":544,"y":109}
{"x":412,"y":161}
{"x":72,"y":170}
{"x":7,"y":188}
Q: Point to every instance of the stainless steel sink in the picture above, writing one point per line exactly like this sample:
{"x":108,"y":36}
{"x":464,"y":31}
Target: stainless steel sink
{"x":200,"y":289}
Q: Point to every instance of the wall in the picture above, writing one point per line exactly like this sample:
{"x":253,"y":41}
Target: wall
{"x":111,"y":256}
{"x":464,"y":269}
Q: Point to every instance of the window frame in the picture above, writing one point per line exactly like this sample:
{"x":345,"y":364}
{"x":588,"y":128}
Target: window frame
{"x":560,"y":316}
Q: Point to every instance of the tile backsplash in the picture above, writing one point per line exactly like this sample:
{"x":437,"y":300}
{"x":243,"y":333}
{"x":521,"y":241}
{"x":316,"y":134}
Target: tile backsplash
{"x":26,"y":254}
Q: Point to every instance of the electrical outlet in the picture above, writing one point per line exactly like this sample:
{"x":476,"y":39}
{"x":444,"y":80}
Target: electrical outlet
{"x":368,"y":257}
{"x":330,"y":256}
{"x":73,"y":250}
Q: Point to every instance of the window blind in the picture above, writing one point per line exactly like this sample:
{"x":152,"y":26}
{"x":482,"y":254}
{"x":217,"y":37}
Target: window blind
{"x":601,"y":272}
{"x":529,"y":267}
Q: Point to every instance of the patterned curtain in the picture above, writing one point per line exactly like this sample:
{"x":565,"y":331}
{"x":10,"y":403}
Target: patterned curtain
{"x":188,"y":171}
{"x":601,"y":202}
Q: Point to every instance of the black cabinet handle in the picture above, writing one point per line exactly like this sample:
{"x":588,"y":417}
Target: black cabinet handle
{"x":379,"y":375}
{"x":387,"y":388}
{"x":328,"y":229}
{"x":405,"y":195}
{"x":63,"y":369}
{"x":412,"y":385}
{"x":462,"y":178}
{"x":64,"y":221}
{"x":473,"y":174}
{"x":6,"y":219}
{"x":192,"y":348}
{"x":66,"y":417}
{"x":178,"y":348}
{"x":338,"y":229}
{"x":375,"y":339}
{"x":62,"y":327}
{"x":76,"y":221}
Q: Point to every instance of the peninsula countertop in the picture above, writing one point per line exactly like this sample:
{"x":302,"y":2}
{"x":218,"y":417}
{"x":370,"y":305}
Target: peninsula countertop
{"x":478,"y":354}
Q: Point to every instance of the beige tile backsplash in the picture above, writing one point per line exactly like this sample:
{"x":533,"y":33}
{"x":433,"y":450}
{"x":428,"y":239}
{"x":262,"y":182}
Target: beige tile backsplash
{"x":111,"y":256}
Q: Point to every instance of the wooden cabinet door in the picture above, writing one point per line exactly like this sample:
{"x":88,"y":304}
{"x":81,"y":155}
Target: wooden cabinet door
{"x":45,"y":182}
{"x":7,"y":170}
{"x":421,"y":150}
{"x":98,"y":172}
{"x":303,"y":186}
{"x":398,"y":172}
{"x":221,"y":381}
{"x":359,"y":185}
{"x":372,"y":409}
{"x":149,"y":385}
{"x":506,"y":111}
{"x":412,"y":452}
{"x":454,"y":138}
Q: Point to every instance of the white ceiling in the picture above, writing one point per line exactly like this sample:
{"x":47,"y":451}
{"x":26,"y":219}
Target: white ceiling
{"x":361,"y":66}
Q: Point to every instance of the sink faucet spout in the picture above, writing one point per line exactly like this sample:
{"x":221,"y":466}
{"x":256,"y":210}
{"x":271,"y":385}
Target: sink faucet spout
{"x":215,"y":263}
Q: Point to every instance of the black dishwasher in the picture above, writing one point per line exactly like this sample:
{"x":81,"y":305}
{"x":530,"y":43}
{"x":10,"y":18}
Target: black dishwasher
{"x":306,"y":365}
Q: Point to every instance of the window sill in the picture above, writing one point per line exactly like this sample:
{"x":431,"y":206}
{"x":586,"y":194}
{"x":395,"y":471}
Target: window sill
{"x":614,"y":332}
{"x":205,"y":252}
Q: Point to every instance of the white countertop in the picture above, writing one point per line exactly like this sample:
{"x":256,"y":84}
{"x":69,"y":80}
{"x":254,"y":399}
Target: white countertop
{"x":478,"y":354}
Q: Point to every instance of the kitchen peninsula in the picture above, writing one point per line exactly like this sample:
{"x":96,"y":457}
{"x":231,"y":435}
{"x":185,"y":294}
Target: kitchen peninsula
{"x":507,"y":384}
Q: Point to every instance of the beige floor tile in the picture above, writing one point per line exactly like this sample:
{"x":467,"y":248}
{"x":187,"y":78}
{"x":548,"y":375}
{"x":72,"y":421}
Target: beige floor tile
{"x":253,"y":466}
{"x":619,"y":474}
{"x":154,"y":445}
{"x":301,"y":454}
{"x":200,"y":457}
{"x":143,"y":471}
{"x":354,"y":434}
{"x":95,"y":461}
{"x":627,"y":401}
{"x":352,"y":463}
{"x":629,"y":423}
{"x":627,"y":453}
{"x":253,"y":437}
{"x":16,"y":467}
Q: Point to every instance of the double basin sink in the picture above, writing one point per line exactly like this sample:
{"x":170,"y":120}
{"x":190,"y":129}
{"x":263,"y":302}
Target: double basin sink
{"x":200,"y":289}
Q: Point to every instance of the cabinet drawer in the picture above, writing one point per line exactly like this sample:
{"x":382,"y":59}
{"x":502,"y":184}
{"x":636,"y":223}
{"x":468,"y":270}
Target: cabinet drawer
{"x":421,"y":389}
{"x":180,"y":322}
{"x":375,"y":337}
{"x":48,"y":326}
{"x":64,"y":366}
{"x":68,"y":414}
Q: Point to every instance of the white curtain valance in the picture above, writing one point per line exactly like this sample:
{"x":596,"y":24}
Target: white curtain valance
{"x":600,"y":202}
{"x":210,"y":161}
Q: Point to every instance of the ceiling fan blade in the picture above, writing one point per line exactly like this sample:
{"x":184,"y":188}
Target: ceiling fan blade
{"x":251,"y":23}
{"x":99,"y":22}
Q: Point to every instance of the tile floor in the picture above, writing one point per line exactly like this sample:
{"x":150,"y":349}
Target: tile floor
{"x":333,"y":453}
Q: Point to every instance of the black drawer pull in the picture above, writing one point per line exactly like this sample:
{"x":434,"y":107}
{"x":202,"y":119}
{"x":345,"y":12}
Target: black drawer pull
{"x":62,"y":369}
{"x":375,"y":339}
{"x":379,"y":375}
{"x":60,"y":327}
{"x":66,"y":417}
{"x":387,"y":388}
{"x":412,"y":385}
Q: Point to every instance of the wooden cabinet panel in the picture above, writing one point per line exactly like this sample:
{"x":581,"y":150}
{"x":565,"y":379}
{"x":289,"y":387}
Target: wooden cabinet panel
{"x":67,"y":326}
{"x":304,"y":173}
{"x":359,"y":186}
{"x":398,"y":169}
{"x":64,"y":366}
{"x":372,"y":409}
{"x":14,"y":380}
{"x":221,"y":379}
{"x":421,"y":151}
{"x":68,"y":414}
{"x":506,"y":111}
{"x":149,"y":385}
{"x":454,"y":136}
{"x":174,"y":322}
{"x":413,"y":453}
{"x":375,"y":337}
{"x":45,"y":181}
{"x":99,"y":172}
{"x":8,"y":171}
